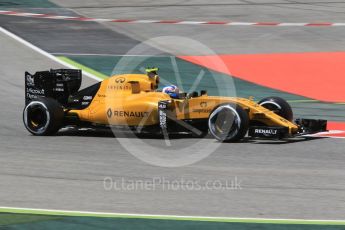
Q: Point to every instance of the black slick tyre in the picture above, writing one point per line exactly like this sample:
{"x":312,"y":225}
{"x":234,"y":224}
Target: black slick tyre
{"x":43,"y":116}
{"x":279,"y":106}
{"x":228,"y":123}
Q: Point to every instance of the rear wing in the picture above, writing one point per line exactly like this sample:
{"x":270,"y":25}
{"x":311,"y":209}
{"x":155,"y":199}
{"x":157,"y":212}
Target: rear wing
{"x":56,"y":83}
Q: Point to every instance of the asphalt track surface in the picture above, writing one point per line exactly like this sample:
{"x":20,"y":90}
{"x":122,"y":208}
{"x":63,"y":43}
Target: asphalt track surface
{"x":234,"y":40}
{"x":302,"y":179}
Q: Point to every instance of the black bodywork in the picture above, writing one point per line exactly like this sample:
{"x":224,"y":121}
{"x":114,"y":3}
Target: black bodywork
{"x":306,"y":126}
{"x":61,"y":84}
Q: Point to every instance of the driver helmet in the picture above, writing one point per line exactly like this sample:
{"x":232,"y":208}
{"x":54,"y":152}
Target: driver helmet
{"x":151,"y":71}
{"x":172,"y":90}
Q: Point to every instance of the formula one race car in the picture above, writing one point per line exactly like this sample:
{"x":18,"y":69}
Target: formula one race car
{"x":53,"y":101}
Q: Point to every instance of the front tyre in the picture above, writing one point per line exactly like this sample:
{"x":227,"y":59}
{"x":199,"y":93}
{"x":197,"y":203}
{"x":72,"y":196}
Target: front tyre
{"x":279,"y":106}
{"x":43,"y":116}
{"x":228,"y":123}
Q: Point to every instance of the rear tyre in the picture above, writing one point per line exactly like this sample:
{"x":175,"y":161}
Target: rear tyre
{"x":279,"y":106}
{"x":228,"y":123}
{"x":43,"y":116}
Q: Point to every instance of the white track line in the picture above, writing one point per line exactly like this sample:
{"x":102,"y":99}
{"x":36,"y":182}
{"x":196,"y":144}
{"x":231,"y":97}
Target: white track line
{"x":108,"y":55}
{"x":205,"y":218}
{"x":44,"y":53}
{"x":176,"y":22}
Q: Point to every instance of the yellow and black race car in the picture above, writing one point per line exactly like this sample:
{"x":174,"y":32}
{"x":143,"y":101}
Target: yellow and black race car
{"x":53,"y":101}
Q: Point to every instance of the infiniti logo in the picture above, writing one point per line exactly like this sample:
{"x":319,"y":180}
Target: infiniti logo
{"x":120,"y":80}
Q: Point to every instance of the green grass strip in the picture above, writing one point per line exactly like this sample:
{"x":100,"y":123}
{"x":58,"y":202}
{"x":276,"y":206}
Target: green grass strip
{"x":15,"y":218}
{"x":82,"y":67}
{"x":167,"y":217}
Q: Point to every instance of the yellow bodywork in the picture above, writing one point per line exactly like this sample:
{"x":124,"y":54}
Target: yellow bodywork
{"x":132,"y":100}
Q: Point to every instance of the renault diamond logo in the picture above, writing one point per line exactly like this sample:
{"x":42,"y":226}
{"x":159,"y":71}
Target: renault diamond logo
{"x":109,"y":113}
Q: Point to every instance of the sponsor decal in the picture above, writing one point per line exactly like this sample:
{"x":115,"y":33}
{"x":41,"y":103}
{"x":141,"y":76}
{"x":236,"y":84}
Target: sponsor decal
{"x":58,"y":90}
{"x":162,"y":114}
{"x":121,"y":113}
{"x":87,"y":98}
{"x":101,"y":95}
{"x":120,"y":80}
{"x":202,"y":110}
{"x":109,"y":113}
{"x":85,"y":103}
{"x":32,"y":93}
{"x":35,"y":91}
{"x":162,"y":106}
{"x":30,"y":80}
{"x":203,"y":104}
{"x":266,"y":131}
{"x":30,"y":96}
{"x":162,"y":119}
{"x":119,"y":87}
